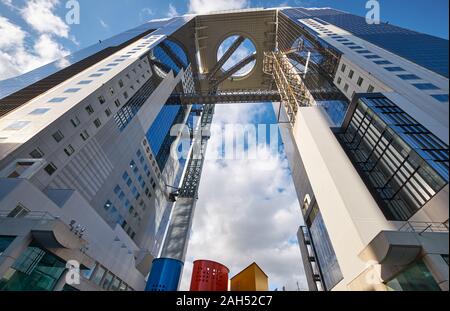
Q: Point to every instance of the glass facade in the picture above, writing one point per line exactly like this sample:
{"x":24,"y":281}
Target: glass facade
{"x":329,"y":266}
{"x":415,"y":278}
{"x":5,"y":241}
{"x":172,"y":57}
{"x":425,"y":50}
{"x":402,"y":163}
{"x":35,"y":270}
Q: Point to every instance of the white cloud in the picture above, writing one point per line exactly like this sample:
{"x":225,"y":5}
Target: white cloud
{"x":172,"y":11}
{"x":205,"y":6}
{"x":103,"y":24}
{"x":145,"y":13}
{"x":247,"y":213}
{"x":17,"y":57}
{"x":39,"y":15}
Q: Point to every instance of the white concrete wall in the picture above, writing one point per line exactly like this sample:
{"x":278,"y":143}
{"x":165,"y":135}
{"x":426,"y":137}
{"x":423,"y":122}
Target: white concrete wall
{"x":350,"y":213}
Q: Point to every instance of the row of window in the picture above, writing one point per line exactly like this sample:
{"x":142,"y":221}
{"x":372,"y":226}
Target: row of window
{"x":100,"y":276}
{"x":58,"y":136}
{"x":387,"y":65}
{"x":351,"y":75}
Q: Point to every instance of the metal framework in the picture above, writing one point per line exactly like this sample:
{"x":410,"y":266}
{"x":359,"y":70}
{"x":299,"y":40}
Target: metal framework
{"x":221,"y":97}
{"x":290,"y":86}
{"x":214,"y":84}
{"x":236,"y":44}
{"x":191,"y":181}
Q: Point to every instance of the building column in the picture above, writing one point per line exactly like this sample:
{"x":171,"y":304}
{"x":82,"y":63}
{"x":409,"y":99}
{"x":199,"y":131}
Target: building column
{"x":439,"y":268}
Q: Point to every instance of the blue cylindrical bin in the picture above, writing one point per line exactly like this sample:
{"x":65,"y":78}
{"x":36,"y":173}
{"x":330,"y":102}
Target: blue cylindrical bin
{"x":165,"y":275}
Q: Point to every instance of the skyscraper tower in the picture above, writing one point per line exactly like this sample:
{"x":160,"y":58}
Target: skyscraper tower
{"x":88,"y":174}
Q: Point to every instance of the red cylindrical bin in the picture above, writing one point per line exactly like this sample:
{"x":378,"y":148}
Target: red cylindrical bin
{"x":209,"y":276}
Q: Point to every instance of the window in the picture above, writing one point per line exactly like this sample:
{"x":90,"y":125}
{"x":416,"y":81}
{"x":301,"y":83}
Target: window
{"x":17,"y":125}
{"x":69,"y":150}
{"x":89,"y":110}
{"x":19,"y":212}
{"x":443,"y":98}
{"x":343,"y":67}
{"x":101,"y":99}
{"x":348,"y":43}
{"x":58,"y":136}
{"x":355,"y":47}
{"x":107,"y":205}
{"x":394,"y":69}
{"x":57,"y":100}
{"x":75,"y":122}
{"x":121,"y":84}
{"x":408,"y":77}
{"x":360,"y":81}
{"x":117,"y":103}
{"x":363,"y":52}
{"x":95,"y":75}
{"x":339,"y":80}
{"x":371,"y":56}
{"x":50,"y":169}
{"x":5,"y":242}
{"x":111,"y":91}
{"x":426,"y":86}
{"x":415,"y":278}
{"x":105,"y":69}
{"x":108,"y":112}
{"x":382,"y":62}
{"x":97,"y":123}
{"x":370,"y":89}
{"x":98,"y":275}
{"x":350,"y":74}
{"x":107,"y":280}
{"x":346,"y":87}
{"x":84,"y":82}
{"x":74,"y":90}
{"x":84,"y":135}
{"x":39,"y":111}
{"x":125,"y":94}
{"x":37,"y":154}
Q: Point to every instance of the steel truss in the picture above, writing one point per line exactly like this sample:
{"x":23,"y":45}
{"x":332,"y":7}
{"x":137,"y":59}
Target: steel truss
{"x":238,"y":96}
{"x":291,"y":88}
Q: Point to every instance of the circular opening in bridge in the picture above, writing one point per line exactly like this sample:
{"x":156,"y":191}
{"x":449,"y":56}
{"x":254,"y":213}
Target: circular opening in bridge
{"x":244,"y":52}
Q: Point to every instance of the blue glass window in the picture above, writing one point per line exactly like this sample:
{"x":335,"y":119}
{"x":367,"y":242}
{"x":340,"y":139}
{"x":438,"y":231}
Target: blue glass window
{"x":372,"y":56}
{"x":394,"y":69}
{"x":39,"y":111}
{"x":408,"y":77}
{"x":382,"y":62}
{"x":57,"y":100}
{"x":84,"y":82}
{"x":426,"y":86}
{"x":74,"y":90}
{"x":443,"y":98}
{"x":17,"y":125}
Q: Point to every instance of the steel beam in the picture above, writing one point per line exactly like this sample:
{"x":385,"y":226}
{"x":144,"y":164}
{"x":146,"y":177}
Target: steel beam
{"x":238,"y":96}
{"x":215,"y":83}
{"x":236,"y":44}
{"x":172,"y":55}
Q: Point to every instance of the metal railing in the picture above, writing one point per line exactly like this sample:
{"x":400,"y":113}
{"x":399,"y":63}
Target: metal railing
{"x":30,"y":215}
{"x":423,"y":227}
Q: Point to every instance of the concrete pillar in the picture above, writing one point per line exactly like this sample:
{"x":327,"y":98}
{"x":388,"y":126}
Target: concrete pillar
{"x":439,"y":268}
